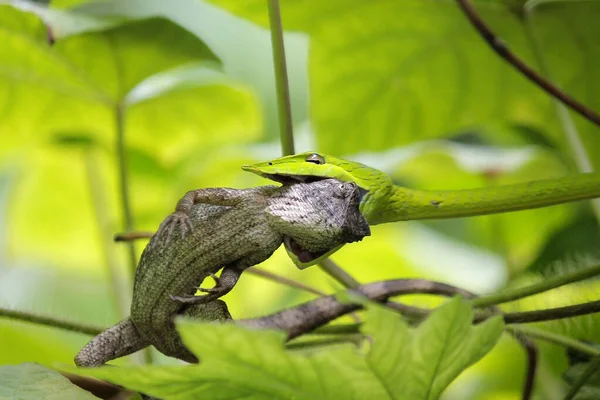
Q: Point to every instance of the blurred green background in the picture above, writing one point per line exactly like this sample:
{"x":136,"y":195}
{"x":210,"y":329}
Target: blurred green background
{"x":406,"y":86}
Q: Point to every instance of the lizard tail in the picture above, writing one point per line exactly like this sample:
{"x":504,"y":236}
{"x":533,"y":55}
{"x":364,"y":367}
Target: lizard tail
{"x":117,"y":341}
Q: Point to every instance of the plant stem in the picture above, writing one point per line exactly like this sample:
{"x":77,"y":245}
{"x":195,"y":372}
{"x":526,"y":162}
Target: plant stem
{"x":552,"y":314}
{"x":125,"y":202}
{"x":124,"y":184}
{"x":543,"y":286}
{"x":284,"y":112}
{"x":308,"y":344}
{"x":339,"y":329}
{"x":337,"y":273}
{"x":283,"y":280}
{"x":51,"y":322}
{"x":130,"y":236}
{"x":97,"y":191}
{"x":284,"y":107}
{"x":555,"y":338}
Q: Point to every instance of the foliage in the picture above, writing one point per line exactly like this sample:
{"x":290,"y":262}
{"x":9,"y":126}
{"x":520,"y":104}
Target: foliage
{"x":406,"y":86}
{"x":31,"y":381}
{"x":591,"y":389}
{"x":402,"y":363}
{"x":412,"y":70}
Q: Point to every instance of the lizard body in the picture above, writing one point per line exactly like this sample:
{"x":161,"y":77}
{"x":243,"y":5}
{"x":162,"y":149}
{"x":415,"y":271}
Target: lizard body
{"x":382,"y":201}
{"x":123,"y":338}
{"x":231,"y":229}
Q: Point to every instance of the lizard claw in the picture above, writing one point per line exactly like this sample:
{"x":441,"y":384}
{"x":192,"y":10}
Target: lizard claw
{"x":165,"y":230}
{"x":190,"y":299}
{"x":215,"y":289}
{"x":213,"y":293}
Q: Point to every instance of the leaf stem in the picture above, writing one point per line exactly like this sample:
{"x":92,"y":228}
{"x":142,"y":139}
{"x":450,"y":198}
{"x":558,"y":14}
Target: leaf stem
{"x":97,"y":191}
{"x":283,"y":280}
{"x":555,"y":338}
{"x":125,"y":201}
{"x":543,"y":286}
{"x":124,"y":184}
{"x":500,"y":47}
{"x":337,"y":273}
{"x":284,"y":107}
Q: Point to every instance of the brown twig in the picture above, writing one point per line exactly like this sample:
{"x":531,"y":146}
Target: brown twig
{"x":532,"y":361}
{"x":131,"y":236}
{"x":500,"y":47}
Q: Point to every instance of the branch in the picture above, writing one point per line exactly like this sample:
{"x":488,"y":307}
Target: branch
{"x":543,"y":286}
{"x":531,"y":354}
{"x":51,"y":322}
{"x":283,"y":280}
{"x":131,"y":236}
{"x":502,"y":50}
{"x":564,"y":341}
{"x":552,"y":314}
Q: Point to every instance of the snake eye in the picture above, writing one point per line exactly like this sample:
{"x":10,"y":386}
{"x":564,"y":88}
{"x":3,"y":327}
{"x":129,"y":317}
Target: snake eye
{"x":315,"y":159}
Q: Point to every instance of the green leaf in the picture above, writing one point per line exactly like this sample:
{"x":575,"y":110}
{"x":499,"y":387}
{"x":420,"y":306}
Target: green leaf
{"x":245,"y":49}
{"x":388,"y":73}
{"x":421,"y":363}
{"x":76,"y":86}
{"x":237,"y":362}
{"x":578,"y":239}
{"x":77,"y":83}
{"x":403,"y":363}
{"x":591,"y":389}
{"x":32,"y":381}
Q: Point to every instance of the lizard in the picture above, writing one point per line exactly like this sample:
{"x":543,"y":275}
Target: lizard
{"x":231,"y":229}
{"x":381,"y":201}
{"x":308,"y":316}
{"x":123,"y":338}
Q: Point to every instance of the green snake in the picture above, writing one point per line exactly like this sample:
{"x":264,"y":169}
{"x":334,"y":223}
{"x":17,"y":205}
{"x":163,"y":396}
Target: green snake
{"x":382,"y":201}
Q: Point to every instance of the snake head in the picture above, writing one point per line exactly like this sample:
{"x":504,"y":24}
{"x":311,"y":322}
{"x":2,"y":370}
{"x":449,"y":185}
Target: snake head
{"x":312,"y":166}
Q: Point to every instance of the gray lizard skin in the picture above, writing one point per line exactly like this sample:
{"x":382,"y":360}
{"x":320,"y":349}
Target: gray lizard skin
{"x":231,"y":229}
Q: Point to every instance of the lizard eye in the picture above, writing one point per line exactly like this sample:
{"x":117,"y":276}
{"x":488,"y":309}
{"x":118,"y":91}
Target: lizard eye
{"x":315,"y":159}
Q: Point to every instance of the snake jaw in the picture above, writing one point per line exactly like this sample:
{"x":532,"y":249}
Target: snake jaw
{"x":290,"y":179}
{"x":304,"y":256}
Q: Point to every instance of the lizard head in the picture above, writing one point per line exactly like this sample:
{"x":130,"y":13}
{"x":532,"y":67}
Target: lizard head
{"x":312,"y":166}
{"x":317,"y":218}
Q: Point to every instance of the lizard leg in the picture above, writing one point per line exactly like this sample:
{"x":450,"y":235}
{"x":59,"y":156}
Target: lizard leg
{"x":214,"y":311}
{"x":117,"y":341}
{"x":229,"y":277}
{"x":209,"y":312}
{"x":213,"y":196}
